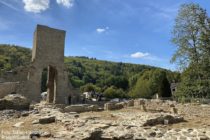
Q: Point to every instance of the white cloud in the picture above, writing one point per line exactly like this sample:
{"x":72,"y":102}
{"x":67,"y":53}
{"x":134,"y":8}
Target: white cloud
{"x":146,"y":56}
{"x":139,"y":55}
{"x":36,"y":6}
{"x":66,"y":3}
{"x":101,"y":30}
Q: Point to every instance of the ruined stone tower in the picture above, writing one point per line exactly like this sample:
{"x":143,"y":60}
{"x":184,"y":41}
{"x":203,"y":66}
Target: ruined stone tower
{"x":48,"y":53}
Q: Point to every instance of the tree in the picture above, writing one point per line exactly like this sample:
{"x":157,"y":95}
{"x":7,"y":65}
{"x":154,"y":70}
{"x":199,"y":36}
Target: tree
{"x":133,"y":79}
{"x":117,"y":81}
{"x":150,"y":83}
{"x":90,"y":87}
{"x":13,"y":56}
{"x":191,"y":35}
{"x":88,"y":78}
{"x":186,"y":35}
{"x":164,"y":89}
{"x":113,"y":92}
{"x":142,"y":89}
{"x":76,"y":82}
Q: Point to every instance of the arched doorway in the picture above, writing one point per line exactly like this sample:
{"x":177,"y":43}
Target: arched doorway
{"x":44,"y":80}
{"x":49,"y":82}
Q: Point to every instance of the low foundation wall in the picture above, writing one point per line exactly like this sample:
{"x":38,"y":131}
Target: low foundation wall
{"x":144,"y":105}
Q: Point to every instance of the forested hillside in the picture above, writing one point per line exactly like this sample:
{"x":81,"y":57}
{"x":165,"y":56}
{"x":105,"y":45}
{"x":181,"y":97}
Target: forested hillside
{"x":12,"y":56}
{"x":111,"y":78}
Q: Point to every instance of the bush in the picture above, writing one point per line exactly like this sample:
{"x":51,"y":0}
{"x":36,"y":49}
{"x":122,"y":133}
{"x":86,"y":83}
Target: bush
{"x":90,"y":87}
{"x":113,"y":92}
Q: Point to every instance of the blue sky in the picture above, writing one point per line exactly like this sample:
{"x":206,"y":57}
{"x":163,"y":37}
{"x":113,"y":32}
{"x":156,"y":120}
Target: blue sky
{"x":134,"y":31}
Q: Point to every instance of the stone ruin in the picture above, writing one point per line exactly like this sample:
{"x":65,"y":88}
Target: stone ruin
{"x":47,"y":53}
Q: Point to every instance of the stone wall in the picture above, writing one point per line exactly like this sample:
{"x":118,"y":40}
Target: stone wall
{"x":48,"y":52}
{"x":160,"y":105}
{"x":8,"y":88}
{"x":16,"y":75}
{"x":151,"y":105}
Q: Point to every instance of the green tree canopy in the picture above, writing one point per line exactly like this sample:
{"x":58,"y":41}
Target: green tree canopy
{"x":191,"y":36}
{"x":113,"y":92}
{"x":150,"y":83}
{"x":90,"y":87}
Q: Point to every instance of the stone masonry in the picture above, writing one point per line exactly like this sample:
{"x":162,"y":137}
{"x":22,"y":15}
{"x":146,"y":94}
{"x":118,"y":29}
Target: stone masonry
{"x":8,"y":88}
{"x":48,"y":52}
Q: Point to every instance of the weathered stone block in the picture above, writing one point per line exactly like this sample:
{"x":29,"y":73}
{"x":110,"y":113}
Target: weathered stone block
{"x":92,"y":108}
{"x":47,"y":119}
{"x":76,"y":108}
{"x":130,"y":103}
{"x":174,"y":110}
{"x":120,"y":105}
{"x":109,"y":106}
{"x":139,"y":102}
